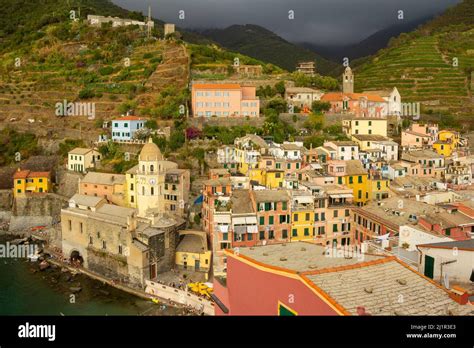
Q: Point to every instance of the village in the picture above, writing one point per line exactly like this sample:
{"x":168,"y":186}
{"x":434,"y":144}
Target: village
{"x":378,"y":220}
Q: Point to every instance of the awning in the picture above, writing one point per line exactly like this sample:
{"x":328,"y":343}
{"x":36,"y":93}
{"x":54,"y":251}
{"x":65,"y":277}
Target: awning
{"x":342,"y":195}
{"x":251,"y":220}
{"x":222,"y":219}
{"x":252,"y":229}
{"x":239,"y":221}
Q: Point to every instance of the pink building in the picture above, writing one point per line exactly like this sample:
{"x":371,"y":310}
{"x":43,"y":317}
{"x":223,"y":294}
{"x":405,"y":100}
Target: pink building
{"x":224,"y":100}
{"x":419,"y":135}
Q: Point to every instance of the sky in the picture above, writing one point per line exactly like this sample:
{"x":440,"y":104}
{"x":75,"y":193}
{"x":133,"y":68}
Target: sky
{"x":325,"y":22}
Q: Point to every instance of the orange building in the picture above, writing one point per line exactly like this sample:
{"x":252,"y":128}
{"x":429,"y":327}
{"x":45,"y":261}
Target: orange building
{"x":224,"y":100}
{"x":361,"y":105}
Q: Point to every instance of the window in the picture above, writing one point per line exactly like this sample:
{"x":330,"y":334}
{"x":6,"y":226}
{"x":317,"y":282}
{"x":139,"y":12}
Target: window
{"x":334,"y":227}
{"x":249,"y":236}
{"x":295,"y":217}
{"x":448,"y":231}
{"x":294,"y":232}
{"x":284,"y":234}
{"x":306,"y":231}
{"x":283,"y":206}
{"x":270,"y":220}
{"x":339,"y":180}
{"x":262,"y":220}
{"x":271,"y":235}
{"x":262,"y":235}
{"x":120,"y":249}
{"x":323,"y":216}
{"x":81,"y":227}
{"x":104,"y":245}
{"x":336,"y":213}
{"x":360,"y":180}
{"x":351,"y":180}
{"x":225,"y":236}
{"x":70,"y":225}
{"x":347,"y":212}
{"x":316,"y":217}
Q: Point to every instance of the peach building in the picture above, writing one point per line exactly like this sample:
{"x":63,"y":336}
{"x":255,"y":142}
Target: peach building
{"x":419,"y":135}
{"x":224,"y":100}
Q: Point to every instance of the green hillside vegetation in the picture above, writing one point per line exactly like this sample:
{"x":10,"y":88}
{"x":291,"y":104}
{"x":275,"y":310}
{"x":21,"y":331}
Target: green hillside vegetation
{"x":262,"y":44}
{"x":422,"y":64}
{"x":209,"y":57}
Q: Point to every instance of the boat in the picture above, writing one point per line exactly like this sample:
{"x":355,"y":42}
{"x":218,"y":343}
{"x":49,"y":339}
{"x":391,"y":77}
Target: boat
{"x":155,"y":300}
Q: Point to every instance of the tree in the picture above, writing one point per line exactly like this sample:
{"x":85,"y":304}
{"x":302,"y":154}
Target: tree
{"x":319,"y":107}
{"x":280,"y":88}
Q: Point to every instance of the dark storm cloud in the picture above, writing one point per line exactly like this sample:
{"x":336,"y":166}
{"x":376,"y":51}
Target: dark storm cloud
{"x":316,"y":21}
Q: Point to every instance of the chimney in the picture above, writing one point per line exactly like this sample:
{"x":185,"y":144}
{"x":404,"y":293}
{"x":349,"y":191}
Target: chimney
{"x":459,"y":295}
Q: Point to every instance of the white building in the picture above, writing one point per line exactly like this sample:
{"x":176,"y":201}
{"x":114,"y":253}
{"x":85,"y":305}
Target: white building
{"x":302,"y":96}
{"x":345,"y":150}
{"x":82,"y":159}
{"x":388,"y":148}
{"x":393,"y":99}
{"x":448,"y":260}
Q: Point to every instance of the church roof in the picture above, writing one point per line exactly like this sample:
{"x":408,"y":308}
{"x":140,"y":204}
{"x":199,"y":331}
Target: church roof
{"x":150,"y":152}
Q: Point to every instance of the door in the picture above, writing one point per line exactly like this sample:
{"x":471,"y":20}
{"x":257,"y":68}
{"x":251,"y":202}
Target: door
{"x":429,"y":266}
{"x":153,"y":271}
{"x":197,"y":264}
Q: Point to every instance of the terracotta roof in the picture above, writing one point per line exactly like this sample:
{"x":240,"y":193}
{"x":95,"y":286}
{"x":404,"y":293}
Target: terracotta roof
{"x":336,"y":96}
{"x":130,"y":118}
{"x":386,"y":287}
{"x":23,"y":174}
{"x":216,"y":86}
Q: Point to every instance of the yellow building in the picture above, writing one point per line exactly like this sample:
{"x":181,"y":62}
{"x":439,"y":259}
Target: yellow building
{"x":192,"y":252}
{"x":449,"y":136}
{"x":367,"y":126}
{"x":356,"y":178}
{"x":302,"y":216}
{"x":444,"y":148}
{"x":379,"y":188}
{"x":269,"y":178}
{"x":25,"y":181}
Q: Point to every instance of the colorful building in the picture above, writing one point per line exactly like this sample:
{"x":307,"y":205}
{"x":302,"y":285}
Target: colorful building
{"x":302,"y":216}
{"x":124,"y":128}
{"x":273,"y":214}
{"x":224,"y":100}
{"x":307,"y":279}
{"x":192,"y":252}
{"x":365,"y":126}
{"x":26,"y":182}
{"x":80,"y":159}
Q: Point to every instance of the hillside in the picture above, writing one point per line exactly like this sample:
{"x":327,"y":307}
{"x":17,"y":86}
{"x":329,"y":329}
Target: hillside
{"x":420,"y":64}
{"x":262,"y":44}
{"x":369,"y":45}
{"x":115,"y":69}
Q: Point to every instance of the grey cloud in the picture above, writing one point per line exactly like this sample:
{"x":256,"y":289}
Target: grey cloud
{"x":316,"y":21}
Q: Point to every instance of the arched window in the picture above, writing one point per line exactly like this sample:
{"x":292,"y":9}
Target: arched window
{"x":143,"y":190}
{"x":143,"y":168}
{"x":152,"y":191}
{"x":152,"y":168}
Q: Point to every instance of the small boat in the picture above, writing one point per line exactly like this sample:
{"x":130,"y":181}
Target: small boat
{"x":155,"y":300}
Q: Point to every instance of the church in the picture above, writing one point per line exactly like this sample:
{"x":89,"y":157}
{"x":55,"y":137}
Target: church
{"x":157,"y":186}
{"x":371,"y":104}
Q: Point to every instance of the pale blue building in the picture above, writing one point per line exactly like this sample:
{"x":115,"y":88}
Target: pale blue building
{"x":123,"y":129}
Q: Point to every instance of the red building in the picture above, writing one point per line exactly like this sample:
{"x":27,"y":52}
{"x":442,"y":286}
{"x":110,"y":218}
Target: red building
{"x":307,"y":279}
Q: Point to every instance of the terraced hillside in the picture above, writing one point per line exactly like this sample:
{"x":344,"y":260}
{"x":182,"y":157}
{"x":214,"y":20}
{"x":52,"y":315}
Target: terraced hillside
{"x":431,"y":65}
{"x":114,"y":68}
{"x":423,"y":73}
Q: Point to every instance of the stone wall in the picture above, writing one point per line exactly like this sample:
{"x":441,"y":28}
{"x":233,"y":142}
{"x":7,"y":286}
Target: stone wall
{"x":6,"y":199}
